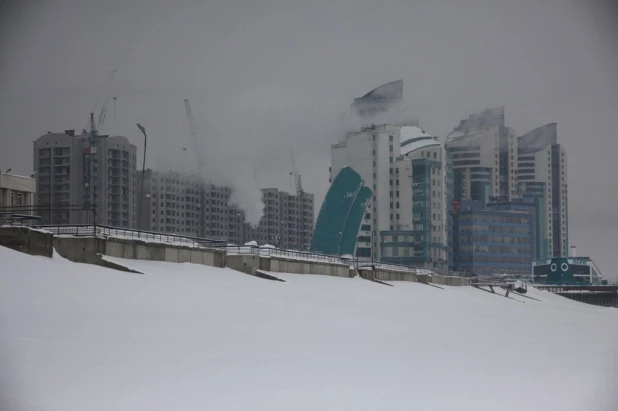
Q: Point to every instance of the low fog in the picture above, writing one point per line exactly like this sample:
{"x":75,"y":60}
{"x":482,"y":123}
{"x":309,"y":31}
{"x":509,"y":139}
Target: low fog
{"x":264,"y":78}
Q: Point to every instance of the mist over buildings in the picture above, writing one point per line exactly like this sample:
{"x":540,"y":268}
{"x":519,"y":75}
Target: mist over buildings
{"x":267,"y":77}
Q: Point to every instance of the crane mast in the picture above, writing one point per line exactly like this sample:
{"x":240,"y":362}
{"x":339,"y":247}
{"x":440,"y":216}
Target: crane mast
{"x":298,"y":184}
{"x":200,"y":161}
{"x":103,"y":112}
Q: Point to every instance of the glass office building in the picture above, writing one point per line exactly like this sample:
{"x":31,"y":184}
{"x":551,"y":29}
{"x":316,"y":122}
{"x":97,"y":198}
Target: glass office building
{"x":496,"y":239}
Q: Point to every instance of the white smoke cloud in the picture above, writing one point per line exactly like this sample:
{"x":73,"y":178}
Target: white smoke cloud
{"x":397,"y":114}
{"x":247,"y":195}
{"x":227,"y":164}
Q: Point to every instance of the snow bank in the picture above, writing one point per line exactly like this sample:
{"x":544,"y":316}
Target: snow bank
{"x":193,"y":337}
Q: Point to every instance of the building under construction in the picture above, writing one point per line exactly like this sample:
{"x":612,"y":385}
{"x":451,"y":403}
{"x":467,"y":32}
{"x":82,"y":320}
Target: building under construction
{"x":181,"y":204}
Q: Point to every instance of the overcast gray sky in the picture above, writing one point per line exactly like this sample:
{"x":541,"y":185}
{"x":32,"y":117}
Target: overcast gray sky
{"x":264,"y":77}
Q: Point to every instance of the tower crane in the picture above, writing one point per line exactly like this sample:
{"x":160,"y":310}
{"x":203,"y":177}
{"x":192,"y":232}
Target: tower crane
{"x":200,"y":161}
{"x":105,"y":103}
{"x":298,"y":184}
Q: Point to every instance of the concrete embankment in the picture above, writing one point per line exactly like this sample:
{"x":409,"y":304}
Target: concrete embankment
{"x":251,"y":263}
{"x":386,"y":274}
{"x":91,"y":249}
{"x":26,"y":240}
{"x":449,"y":280}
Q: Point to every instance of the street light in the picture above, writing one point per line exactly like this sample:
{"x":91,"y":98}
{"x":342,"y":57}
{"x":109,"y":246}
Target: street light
{"x":139,"y":212}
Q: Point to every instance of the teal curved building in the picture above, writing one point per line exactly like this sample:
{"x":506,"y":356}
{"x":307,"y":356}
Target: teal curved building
{"x":341,"y":214}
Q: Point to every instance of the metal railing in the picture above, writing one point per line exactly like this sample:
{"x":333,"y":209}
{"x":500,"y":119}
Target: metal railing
{"x":309,"y":256}
{"x":120,"y":232}
{"x":90,"y":230}
{"x":394,"y":267}
{"x":292,"y":254}
{"x":77,"y":230}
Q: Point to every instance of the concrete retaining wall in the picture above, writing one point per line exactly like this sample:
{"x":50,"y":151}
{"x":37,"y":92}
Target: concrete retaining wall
{"x":454,"y":281}
{"x":141,"y":250}
{"x":381,"y":274}
{"x":80,"y":249}
{"x":89,"y":250}
{"x":283,"y":265}
{"x":245,"y":263}
{"x":250,"y":263}
{"x":28,"y":241}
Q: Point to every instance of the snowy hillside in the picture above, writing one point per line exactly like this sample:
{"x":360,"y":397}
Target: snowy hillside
{"x":191,"y":337}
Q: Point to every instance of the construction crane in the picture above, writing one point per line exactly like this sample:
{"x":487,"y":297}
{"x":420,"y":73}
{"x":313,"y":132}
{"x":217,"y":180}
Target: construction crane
{"x":90,"y":163}
{"x":200,"y":161}
{"x":298,"y":185}
{"x":106,"y":102}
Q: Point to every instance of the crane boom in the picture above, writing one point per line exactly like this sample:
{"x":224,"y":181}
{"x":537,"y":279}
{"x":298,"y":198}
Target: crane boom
{"x":200,"y":162}
{"x":297,"y":180}
{"x":103,"y":112}
{"x":300,"y":225}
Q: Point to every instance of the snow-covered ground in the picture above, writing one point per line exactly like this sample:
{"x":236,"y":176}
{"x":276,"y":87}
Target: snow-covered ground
{"x":192,"y":337}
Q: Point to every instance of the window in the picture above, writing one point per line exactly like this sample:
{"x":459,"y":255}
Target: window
{"x":17,"y":198}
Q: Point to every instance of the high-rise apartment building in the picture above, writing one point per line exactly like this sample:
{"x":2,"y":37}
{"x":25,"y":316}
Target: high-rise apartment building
{"x":407,"y":169}
{"x":72,"y":171}
{"x":170,"y":203}
{"x":181,"y":204}
{"x":220,"y":220}
{"x":491,"y":163}
{"x":542,"y":164}
{"x":484,"y":155}
{"x":288,"y":220}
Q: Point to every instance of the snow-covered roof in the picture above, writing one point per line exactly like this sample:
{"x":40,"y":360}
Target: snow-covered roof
{"x":418,"y":144}
{"x":455,"y":135}
{"x":410,"y":132}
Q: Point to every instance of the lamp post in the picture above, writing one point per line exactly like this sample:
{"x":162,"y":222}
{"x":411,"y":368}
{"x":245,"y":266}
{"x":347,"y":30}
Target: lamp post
{"x":139,"y":212}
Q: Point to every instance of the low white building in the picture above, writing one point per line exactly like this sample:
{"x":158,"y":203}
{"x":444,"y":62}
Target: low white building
{"x":16,"y":191}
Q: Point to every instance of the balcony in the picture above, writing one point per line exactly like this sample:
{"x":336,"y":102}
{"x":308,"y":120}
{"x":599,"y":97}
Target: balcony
{"x":113,"y":163}
{"x":62,"y":161}
{"x":62,"y":171}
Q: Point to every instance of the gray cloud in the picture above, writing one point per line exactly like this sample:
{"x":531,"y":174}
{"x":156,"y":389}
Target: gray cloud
{"x":266,"y":77}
